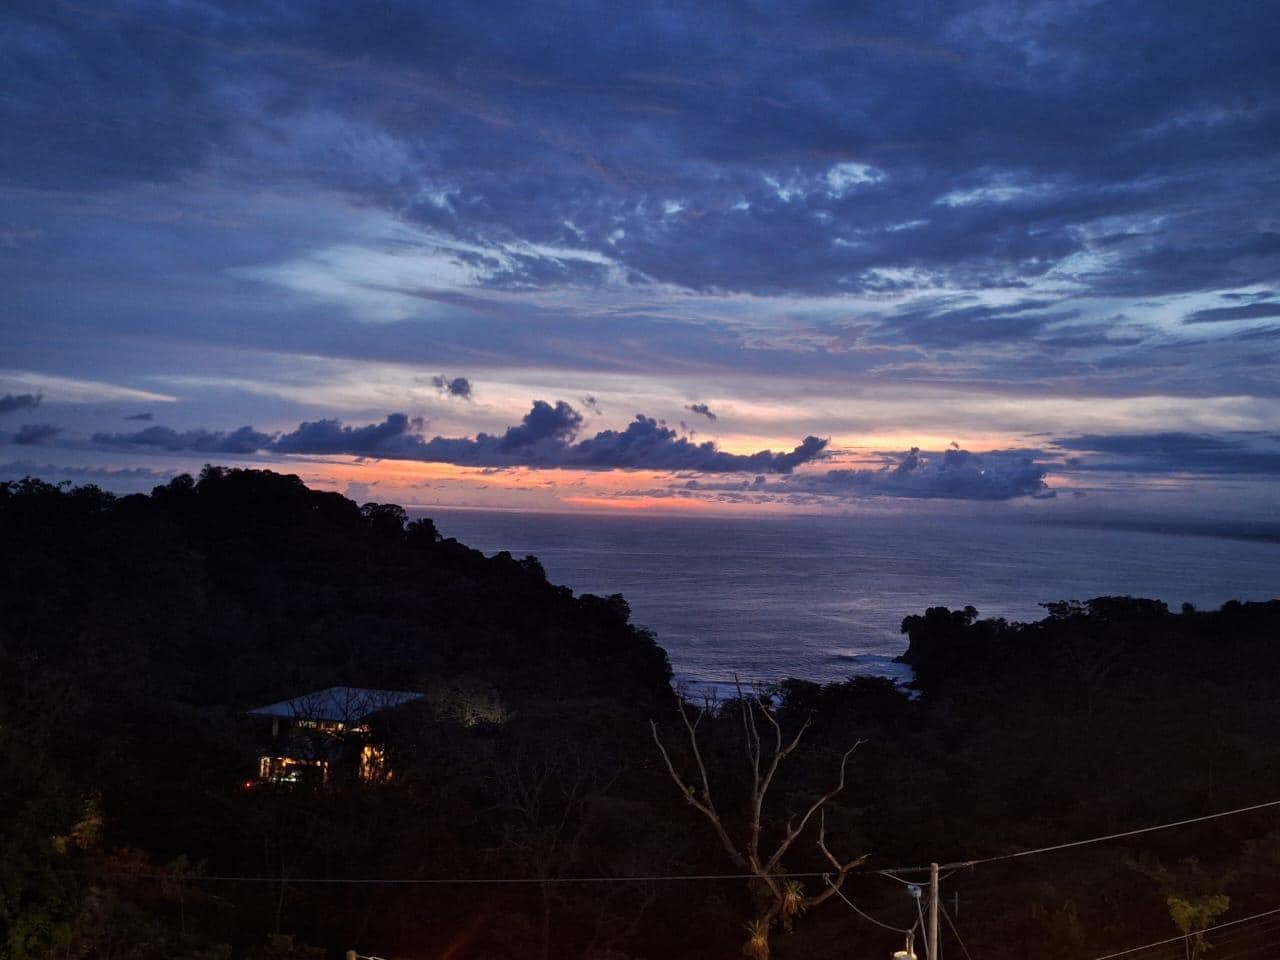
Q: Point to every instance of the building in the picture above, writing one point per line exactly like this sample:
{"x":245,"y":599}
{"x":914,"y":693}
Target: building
{"x":316,"y":737}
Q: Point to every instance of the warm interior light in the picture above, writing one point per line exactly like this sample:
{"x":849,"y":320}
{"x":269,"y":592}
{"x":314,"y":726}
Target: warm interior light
{"x":291,"y":770}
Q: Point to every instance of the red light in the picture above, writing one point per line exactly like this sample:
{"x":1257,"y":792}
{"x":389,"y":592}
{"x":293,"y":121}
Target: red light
{"x":248,"y":784}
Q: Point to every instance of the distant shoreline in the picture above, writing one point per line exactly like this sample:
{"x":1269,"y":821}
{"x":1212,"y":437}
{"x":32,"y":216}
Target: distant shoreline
{"x":1254,"y":533}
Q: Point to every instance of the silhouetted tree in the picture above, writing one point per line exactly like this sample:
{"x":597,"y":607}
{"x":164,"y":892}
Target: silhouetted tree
{"x":782,"y":900}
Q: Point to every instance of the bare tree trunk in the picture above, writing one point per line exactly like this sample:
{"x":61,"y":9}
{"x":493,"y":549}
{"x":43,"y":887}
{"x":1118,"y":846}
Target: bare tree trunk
{"x":764,"y":758}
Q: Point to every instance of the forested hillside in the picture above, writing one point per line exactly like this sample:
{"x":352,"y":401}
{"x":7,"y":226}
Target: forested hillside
{"x":136,"y":632}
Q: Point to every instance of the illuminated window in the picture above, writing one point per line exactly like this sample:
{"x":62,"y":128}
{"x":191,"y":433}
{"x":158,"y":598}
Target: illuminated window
{"x":373,"y":763}
{"x":292,"y":770}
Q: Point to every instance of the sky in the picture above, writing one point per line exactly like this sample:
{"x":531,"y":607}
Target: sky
{"x":1020,"y":258}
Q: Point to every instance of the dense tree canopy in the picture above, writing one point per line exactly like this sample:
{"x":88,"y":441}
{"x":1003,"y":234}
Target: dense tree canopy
{"x":135,"y":633}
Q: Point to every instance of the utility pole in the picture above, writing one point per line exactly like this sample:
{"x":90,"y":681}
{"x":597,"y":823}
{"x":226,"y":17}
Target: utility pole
{"x":933,"y":912}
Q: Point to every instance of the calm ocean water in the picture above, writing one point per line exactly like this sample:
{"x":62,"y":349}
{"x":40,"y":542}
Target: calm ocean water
{"x":820,"y":598}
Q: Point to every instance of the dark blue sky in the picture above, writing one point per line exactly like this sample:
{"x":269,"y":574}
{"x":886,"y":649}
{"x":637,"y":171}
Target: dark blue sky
{"x":550,"y":255}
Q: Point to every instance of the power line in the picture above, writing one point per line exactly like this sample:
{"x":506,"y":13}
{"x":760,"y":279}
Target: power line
{"x":1251,"y":951}
{"x":1232,"y":938}
{"x":952,"y":924}
{"x":1239,"y":947}
{"x":685,"y":878}
{"x":866,"y":916}
{"x":1187,"y":936}
{"x":463,"y":881}
{"x":960,"y":864}
{"x":890,"y":873}
{"x":1266,"y":925}
{"x":924,"y":927}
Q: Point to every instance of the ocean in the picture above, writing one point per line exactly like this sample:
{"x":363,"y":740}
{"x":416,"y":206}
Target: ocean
{"x":766,"y":598}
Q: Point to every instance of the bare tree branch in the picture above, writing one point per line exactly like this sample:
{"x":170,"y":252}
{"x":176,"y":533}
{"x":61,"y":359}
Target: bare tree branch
{"x":785,"y":900}
{"x":842,"y":869}
{"x":690,"y":794}
{"x":692,"y":730}
{"x":793,"y":832}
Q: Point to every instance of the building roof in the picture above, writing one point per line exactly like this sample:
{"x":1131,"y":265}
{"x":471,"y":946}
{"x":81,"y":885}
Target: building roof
{"x":337,"y":704}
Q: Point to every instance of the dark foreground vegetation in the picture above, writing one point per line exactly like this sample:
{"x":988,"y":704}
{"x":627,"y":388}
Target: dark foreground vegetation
{"x":136,"y":632}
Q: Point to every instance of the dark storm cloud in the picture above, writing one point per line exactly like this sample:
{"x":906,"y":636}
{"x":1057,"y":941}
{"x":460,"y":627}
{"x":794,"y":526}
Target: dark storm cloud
{"x":101,"y":95}
{"x":1194,"y":254}
{"x":1177,"y":452}
{"x":394,"y":435}
{"x":255,"y":175}
{"x":953,"y":474}
{"x":543,"y":424}
{"x":33,"y":433}
{"x":242,"y":441}
{"x":545,"y":437}
{"x":1248,"y":311}
{"x":648,"y":444}
{"x":960,"y":140}
{"x":13,"y":402}
{"x":702,"y":410}
{"x":459,"y":387}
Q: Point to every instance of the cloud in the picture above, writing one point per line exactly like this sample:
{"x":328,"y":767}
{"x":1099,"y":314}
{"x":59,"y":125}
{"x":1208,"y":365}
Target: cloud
{"x":394,"y":436}
{"x":118,"y":479}
{"x":758,"y":483}
{"x":953,"y":474}
{"x":702,"y":410}
{"x":139,"y":416}
{"x":687,"y":152}
{"x":674,"y":196}
{"x":944,"y":324}
{"x":648,"y":444}
{"x":542,"y":425}
{"x":538,"y":440}
{"x":456,"y":387}
{"x":1193,"y":254}
{"x":1177,"y":452}
{"x":33,"y":433}
{"x":592,"y":404}
{"x":545,"y":437}
{"x":12,"y":402}
{"x":1247,"y":311}
{"x":242,"y":441}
